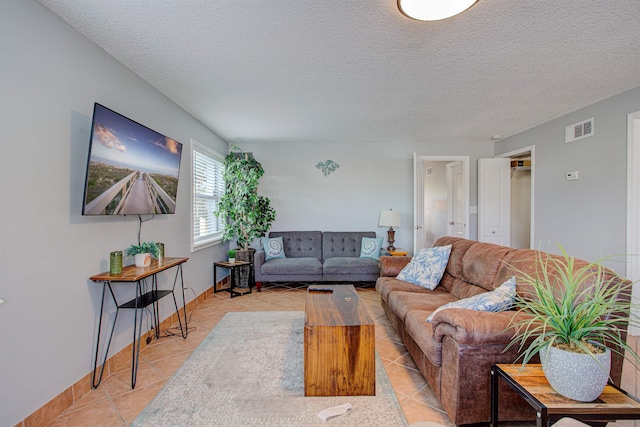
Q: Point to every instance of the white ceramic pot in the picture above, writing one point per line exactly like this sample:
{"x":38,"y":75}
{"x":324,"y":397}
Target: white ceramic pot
{"x":577,"y":376}
{"x":232,"y":260}
{"x":142,"y":260}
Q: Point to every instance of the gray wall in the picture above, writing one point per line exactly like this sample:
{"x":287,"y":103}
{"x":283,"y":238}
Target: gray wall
{"x":50,"y":78}
{"x":586,"y":216}
{"x":371,"y":177}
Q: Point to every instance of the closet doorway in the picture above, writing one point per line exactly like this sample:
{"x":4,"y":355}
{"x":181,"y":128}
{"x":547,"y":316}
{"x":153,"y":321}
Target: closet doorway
{"x":522,"y":197}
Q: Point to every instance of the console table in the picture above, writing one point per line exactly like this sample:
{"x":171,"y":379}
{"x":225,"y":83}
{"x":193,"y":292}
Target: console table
{"x":532,"y":385}
{"x":145,"y":295}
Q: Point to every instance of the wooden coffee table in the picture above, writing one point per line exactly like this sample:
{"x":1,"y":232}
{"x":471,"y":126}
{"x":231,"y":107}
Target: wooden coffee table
{"x":339,"y":344}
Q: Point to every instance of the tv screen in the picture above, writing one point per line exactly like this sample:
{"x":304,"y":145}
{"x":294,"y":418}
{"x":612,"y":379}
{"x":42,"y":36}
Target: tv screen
{"x":131,"y":170}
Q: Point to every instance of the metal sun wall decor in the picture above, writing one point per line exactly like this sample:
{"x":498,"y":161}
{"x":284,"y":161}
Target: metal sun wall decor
{"x":327,"y":167}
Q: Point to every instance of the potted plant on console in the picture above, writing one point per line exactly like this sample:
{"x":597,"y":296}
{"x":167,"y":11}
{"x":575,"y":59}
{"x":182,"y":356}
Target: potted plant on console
{"x":574,"y":317}
{"x":248,"y":215}
{"x":142,"y":253}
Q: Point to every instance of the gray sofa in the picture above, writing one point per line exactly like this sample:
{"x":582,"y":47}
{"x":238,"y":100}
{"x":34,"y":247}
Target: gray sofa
{"x":316,"y":256}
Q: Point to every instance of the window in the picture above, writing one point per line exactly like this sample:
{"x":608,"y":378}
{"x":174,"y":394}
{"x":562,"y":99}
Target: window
{"x":207,"y":189}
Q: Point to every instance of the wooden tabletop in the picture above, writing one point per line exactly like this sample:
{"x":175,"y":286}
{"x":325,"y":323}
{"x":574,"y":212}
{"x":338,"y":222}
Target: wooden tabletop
{"x":227,"y":264}
{"x":131,"y":273}
{"x":532,"y":379}
{"x":342,"y":307}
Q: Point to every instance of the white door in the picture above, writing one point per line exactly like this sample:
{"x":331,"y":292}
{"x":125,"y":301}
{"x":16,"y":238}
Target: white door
{"x":494,"y":194}
{"x":455,"y":200}
{"x":419,"y":236}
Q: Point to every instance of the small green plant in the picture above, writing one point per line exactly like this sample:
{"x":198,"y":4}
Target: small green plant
{"x":232,"y":253}
{"x":143,"y":248}
{"x":575,"y":309}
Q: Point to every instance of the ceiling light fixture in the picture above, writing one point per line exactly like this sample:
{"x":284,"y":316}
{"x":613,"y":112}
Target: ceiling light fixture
{"x":433,"y":10}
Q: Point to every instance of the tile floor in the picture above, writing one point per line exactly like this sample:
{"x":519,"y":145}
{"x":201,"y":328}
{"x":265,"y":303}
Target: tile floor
{"x":114,"y":404}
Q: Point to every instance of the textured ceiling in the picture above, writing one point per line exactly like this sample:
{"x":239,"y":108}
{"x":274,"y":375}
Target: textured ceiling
{"x":308,"y":71}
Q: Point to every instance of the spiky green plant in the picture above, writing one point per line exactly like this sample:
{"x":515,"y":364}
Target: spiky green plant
{"x":143,"y":248}
{"x":576,"y":309}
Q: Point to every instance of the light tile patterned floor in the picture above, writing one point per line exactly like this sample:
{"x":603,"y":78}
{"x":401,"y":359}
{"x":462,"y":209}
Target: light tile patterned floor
{"x":114,"y":404}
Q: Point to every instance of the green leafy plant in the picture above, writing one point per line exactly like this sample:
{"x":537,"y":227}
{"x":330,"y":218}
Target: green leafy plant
{"x":247,"y":214}
{"x":143,"y":248}
{"x":583,"y":314}
{"x":231,"y":253}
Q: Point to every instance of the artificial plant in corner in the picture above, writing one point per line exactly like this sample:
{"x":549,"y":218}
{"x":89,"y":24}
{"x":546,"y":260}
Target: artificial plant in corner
{"x":248,"y":215}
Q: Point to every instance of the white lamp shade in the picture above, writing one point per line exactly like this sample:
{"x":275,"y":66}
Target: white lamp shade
{"x":389,"y":218}
{"x":433,"y":10}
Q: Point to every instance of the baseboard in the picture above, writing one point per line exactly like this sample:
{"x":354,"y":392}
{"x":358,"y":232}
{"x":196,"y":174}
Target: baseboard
{"x":56,"y":406}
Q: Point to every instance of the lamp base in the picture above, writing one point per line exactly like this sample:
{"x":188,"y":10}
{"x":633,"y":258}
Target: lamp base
{"x":391,"y":234}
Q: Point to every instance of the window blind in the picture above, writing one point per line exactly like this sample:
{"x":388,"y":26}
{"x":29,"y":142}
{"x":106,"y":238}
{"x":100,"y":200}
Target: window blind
{"x":207,"y":189}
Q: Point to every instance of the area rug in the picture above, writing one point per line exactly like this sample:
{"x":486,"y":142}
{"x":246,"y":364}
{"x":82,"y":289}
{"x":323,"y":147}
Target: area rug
{"x":249,"y":372}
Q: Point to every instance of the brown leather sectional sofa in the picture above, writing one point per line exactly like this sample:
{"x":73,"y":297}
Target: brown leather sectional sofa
{"x":454,"y":352}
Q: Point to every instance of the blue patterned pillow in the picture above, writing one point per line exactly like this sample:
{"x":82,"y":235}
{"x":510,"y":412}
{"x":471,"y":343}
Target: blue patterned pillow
{"x":273,"y":248}
{"x":426,"y":267}
{"x":499,"y":299}
{"x":370,"y":247}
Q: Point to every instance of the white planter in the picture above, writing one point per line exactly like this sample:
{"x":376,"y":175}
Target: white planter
{"x":142,"y":260}
{"x":232,"y":260}
{"x":575,"y":375}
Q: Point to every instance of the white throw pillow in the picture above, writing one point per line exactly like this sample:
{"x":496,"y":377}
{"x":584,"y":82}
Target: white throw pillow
{"x":426,"y":267}
{"x":500,"y":299}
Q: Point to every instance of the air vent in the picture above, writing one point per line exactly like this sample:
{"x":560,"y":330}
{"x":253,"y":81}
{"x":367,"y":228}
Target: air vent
{"x":578,"y":131}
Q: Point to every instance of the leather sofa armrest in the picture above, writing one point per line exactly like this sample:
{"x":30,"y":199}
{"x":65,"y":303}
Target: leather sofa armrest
{"x":390,"y":266}
{"x":471,"y":327}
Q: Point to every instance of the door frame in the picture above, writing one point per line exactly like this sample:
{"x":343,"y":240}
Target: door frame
{"x":419,"y":183}
{"x":520,"y":151}
{"x":633,"y":209}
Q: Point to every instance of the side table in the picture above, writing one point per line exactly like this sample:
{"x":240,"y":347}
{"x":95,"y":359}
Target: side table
{"x":399,"y":253}
{"x":532,"y":385}
{"x":231,"y":266}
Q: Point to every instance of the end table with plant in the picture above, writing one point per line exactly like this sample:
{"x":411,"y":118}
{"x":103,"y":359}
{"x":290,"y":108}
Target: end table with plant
{"x":575,"y":315}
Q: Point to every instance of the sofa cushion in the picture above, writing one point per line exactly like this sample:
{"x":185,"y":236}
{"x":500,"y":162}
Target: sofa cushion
{"x":350,"y":265}
{"x":292,"y":266}
{"x":499,"y":299}
{"x":422,"y":333}
{"x":273,"y":248}
{"x":403,"y":302}
{"x":343,"y":243}
{"x":370,"y":247}
{"x":426,"y":267}
{"x":481,"y":263}
{"x":300,"y":244}
{"x":386,"y":285}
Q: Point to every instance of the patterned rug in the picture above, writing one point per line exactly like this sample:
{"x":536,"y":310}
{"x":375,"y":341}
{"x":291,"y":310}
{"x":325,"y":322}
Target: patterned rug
{"x":249,"y":372}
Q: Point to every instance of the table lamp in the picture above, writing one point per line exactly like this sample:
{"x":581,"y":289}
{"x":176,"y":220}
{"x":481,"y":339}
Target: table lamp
{"x":390,"y":218}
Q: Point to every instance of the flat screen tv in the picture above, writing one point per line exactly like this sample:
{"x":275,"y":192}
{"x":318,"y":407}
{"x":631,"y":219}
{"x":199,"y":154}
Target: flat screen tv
{"x":131,"y":169}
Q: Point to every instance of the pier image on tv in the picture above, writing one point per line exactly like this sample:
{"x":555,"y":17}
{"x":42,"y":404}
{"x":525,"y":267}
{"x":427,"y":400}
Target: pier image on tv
{"x":132,"y":170}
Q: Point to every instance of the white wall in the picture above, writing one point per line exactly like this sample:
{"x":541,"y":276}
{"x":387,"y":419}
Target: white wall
{"x":50,"y":77}
{"x":587,"y":216}
{"x":371,"y":177}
